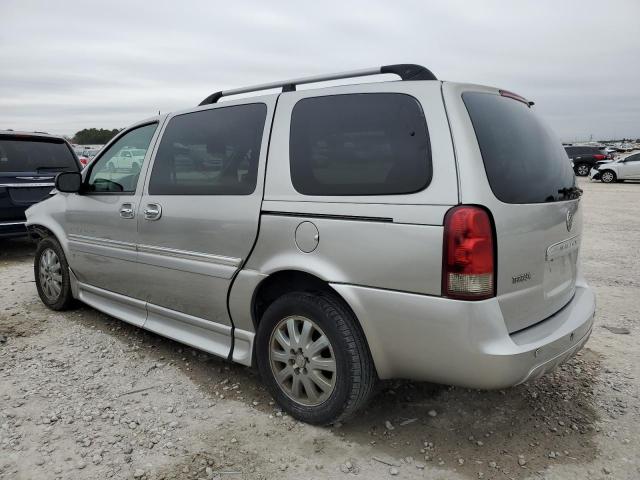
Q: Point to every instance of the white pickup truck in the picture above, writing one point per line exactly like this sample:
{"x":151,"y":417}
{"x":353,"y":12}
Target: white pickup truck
{"x":127,"y":159}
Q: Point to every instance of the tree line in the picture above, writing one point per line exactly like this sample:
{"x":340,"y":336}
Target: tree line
{"x":94,"y":136}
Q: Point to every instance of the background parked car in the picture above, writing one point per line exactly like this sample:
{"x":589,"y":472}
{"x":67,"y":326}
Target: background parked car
{"x":84,"y":160}
{"x":584,"y":158}
{"x":29,"y":163}
{"x":624,"y":168}
{"x":127,"y":159}
{"x":86,"y":153}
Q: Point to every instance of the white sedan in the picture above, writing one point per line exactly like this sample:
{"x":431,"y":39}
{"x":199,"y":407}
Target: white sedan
{"x":624,"y":168}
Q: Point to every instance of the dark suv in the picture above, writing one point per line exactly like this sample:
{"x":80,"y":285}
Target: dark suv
{"x":29,"y":163}
{"x":584,"y":158}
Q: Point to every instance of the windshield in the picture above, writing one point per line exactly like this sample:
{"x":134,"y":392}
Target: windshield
{"x":35,"y":155}
{"x":524,"y":161}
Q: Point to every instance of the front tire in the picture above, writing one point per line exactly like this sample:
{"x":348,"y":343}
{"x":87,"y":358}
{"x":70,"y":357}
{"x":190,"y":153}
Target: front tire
{"x":582,"y":170}
{"x":313,"y":358}
{"x":51,"y":272}
{"x":608,"y":176}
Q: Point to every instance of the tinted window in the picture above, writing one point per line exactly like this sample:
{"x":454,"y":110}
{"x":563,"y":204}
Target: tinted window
{"x":34,"y":155}
{"x":210,"y":152}
{"x":118,"y":169}
{"x":524,"y":161}
{"x":362,"y":144}
{"x":578,"y":151}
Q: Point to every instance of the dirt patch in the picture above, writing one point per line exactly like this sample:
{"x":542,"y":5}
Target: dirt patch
{"x":510,"y":433}
{"x":18,"y":324}
{"x":489,"y":433}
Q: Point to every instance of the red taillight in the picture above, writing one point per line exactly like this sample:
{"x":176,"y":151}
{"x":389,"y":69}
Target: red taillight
{"x":599,"y":157}
{"x":468,"y":267}
{"x":84,"y":161}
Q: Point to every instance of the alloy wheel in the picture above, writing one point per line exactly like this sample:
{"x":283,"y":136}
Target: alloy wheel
{"x":50,"y":274}
{"x":302,"y":360}
{"x":583,"y":170}
{"x":607,"y":177}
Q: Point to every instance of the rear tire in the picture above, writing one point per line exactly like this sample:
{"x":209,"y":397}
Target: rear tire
{"x":582,"y":170}
{"x":315,"y":384}
{"x":608,"y":176}
{"x":51,"y":272}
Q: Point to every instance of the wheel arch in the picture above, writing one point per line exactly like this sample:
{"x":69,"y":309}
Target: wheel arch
{"x":39,"y":230}
{"x":280,"y":282}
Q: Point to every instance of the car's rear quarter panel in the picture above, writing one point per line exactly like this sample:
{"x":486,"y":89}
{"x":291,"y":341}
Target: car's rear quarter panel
{"x":373,"y":244}
{"x":374,"y":254}
{"x":383,"y":241}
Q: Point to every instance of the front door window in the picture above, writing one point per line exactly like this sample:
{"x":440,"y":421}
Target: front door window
{"x":118,"y":169}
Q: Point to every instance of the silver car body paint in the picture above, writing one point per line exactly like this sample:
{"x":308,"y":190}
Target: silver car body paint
{"x":191,"y":275}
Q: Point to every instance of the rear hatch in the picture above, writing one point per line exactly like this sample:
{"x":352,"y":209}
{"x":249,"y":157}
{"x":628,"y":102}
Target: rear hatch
{"x":534,"y":202}
{"x":28,"y":166}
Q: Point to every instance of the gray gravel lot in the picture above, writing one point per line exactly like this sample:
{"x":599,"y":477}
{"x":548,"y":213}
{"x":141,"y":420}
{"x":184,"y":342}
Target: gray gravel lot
{"x":83,"y":395}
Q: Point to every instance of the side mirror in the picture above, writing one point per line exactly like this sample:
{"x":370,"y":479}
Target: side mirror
{"x":68,"y":182}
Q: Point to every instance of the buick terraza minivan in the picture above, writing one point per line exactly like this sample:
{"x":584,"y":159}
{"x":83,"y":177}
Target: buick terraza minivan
{"x":332,"y":237}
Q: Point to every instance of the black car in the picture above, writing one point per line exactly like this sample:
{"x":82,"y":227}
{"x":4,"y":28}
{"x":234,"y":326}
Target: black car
{"x":29,"y":163}
{"x":584,"y":158}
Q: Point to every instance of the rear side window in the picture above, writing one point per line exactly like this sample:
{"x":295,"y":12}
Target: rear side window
{"x":359,"y":144}
{"x":210,"y":152}
{"x":523,"y":159}
{"x":35,"y":155}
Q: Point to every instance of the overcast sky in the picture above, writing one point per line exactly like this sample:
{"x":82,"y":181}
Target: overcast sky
{"x":76,"y":64}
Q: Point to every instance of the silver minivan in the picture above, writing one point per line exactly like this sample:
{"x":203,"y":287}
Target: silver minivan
{"x":336,"y":236}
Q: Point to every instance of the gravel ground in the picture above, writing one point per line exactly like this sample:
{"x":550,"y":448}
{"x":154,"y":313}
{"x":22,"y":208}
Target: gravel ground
{"x":83,"y":395}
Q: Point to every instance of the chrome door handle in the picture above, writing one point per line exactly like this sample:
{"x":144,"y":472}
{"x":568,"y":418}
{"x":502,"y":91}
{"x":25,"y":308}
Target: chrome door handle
{"x":127,"y":211}
{"x":152,"y":211}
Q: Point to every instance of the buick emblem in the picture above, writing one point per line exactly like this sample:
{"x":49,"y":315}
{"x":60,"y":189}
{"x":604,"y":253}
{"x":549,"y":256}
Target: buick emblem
{"x":570,"y":214}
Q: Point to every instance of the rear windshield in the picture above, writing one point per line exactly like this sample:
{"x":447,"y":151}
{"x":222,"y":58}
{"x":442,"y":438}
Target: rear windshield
{"x":34,"y":155}
{"x":524,"y":161}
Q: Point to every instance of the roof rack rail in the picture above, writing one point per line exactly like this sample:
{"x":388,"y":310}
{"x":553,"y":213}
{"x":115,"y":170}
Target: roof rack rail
{"x":406,"y":71}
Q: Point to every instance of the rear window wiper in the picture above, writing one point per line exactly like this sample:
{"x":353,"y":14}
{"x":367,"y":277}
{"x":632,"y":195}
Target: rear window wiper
{"x":571,"y":192}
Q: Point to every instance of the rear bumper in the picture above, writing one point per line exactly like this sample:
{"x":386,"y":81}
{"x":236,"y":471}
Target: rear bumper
{"x":464,"y":343}
{"x":14,"y":228}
